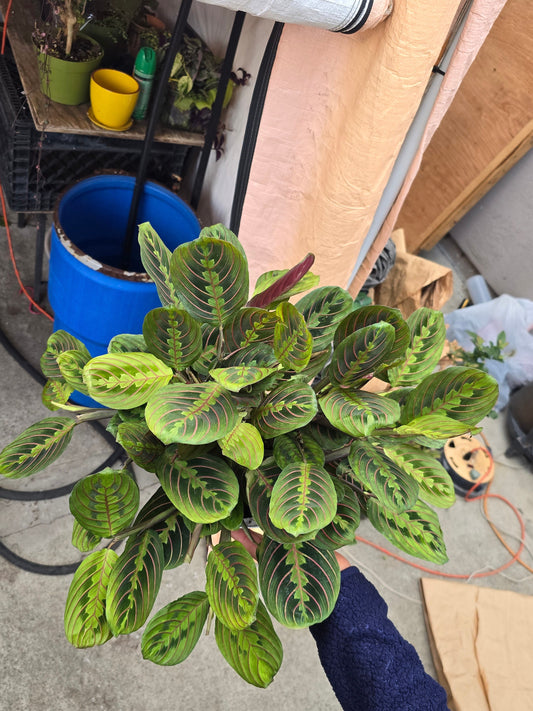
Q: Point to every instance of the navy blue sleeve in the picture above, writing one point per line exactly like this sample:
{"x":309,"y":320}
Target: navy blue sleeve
{"x":370,"y":666}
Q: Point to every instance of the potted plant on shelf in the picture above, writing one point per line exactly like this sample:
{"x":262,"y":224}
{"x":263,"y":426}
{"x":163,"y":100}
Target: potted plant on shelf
{"x":249,"y":407}
{"x":66,"y":56}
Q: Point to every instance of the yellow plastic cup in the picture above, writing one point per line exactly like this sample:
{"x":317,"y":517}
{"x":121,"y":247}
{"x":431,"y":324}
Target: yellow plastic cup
{"x":113,"y":97}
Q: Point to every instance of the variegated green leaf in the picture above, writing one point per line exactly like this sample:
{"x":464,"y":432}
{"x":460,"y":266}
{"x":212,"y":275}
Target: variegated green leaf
{"x":243,"y":445}
{"x":231,"y":584}
{"x":293,"y":343}
{"x":156,"y":257}
{"x":341,"y":531}
{"x":125,"y":380}
{"x":220,"y":231}
{"x":55,"y":394}
{"x":290,"y":406}
{"x":368,"y":315}
{"x":235,"y":378}
{"x":85,"y":620}
{"x":435,"y":427}
{"x":358,"y":357}
{"x":249,"y":326}
{"x":297,"y":447}
{"x":37,"y":447}
{"x":204,"y":488}
{"x":323,"y":309}
{"x":106,"y":502}
{"x":172,"y":633}
{"x":134,"y":583}
{"x":71,"y":365}
{"x":464,"y":394}
{"x":207,"y":360}
{"x":57,"y":343}
{"x":393,"y":487}
{"x":234,"y":519}
{"x":141,"y":445}
{"x":358,"y":413}
{"x":303,"y":499}
{"x":82,"y":539}
{"x":127,"y":343}
{"x":316,"y":365}
{"x":416,"y":531}
{"x":327,"y":437}
{"x":169,"y":525}
{"x":211,"y":279}
{"x":173,"y":336}
{"x":436,"y":485}
{"x":256,"y":652}
{"x":300,"y":582}
{"x":192,"y":414}
{"x":428,"y":333}
{"x":259,"y":486}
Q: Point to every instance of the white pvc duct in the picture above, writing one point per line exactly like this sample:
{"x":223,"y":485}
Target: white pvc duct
{"x":336,"y":15}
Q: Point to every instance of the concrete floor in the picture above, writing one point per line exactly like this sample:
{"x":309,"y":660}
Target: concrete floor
{"x":39,"y":668}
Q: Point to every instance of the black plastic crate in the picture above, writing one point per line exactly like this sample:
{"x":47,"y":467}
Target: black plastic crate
{"x":35,"y":166}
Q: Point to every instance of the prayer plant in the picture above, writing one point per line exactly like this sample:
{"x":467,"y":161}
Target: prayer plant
{"x":248,"y":409}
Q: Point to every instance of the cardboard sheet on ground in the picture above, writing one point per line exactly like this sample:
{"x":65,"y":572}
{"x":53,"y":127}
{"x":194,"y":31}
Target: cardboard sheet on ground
{"x":482,"y":645}
{"x":414,"y":282}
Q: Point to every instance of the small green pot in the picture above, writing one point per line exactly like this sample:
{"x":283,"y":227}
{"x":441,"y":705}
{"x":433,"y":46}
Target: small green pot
{"x":67,"y":82}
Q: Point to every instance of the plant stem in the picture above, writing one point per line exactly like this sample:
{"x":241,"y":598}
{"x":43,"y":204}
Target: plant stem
{"x":195,"y":539}
{"x":95,"y":414}
{"x":144,"y":525}
{"x":225,"y":535}
{"x":340,"y":453}
{"x":318,"y":387}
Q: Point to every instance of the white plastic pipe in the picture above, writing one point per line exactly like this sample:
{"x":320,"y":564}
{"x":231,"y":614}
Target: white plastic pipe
{"x":335,"y":15}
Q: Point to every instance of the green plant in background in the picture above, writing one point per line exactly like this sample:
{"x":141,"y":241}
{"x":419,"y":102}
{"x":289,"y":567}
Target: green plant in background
{"x":248,"y":407}
{"x":481,"y":352}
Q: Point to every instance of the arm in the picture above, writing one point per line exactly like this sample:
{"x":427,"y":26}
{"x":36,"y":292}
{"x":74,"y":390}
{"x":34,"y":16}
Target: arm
{"x":370,"y":666}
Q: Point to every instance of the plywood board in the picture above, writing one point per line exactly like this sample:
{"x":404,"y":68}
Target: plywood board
{"x":487,"y":129}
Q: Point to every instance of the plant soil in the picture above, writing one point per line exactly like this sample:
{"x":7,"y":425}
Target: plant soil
{"x":83,"y":49}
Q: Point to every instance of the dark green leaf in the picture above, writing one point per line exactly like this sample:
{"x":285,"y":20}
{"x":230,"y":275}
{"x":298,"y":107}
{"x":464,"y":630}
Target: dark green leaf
{"x":191,"y":414}
{"x":249,"y":326}
{"x":173,"y":336}
{"x":297,"y":447}
{"x":57,"y":343}
{"x":106,"y":502}
{"x":231,"y":585}
{"x":293,"y":343}
{"x":393,"y":487}
{"x":56,"y":394}
{"x":156,"y":257}
{"x":141,"y":445}
{"x":303,"y":499}
{"x":82,"y":539}
{"x":416,"y":531}
{"x":428,"y":333}
{"x":85,"y":621}
{"x":360,"y":355}
{"x":464,"y":394}
{"x":358,"y":413}
{"x":127,"y":343}
{"x":211,"y":279}
{"x":255,"y":652}
{"x":436,"y":486}
{"x":37,"y":447}
{"x":134,"y":583}
{"x":173,"y":632}
{"x":327,"y":437}
{"x":204,"y":489}
{"x":323,"y":309}
{"x":300,"y":583}
{"x":290,"y":406}
{"x":341,"y":531}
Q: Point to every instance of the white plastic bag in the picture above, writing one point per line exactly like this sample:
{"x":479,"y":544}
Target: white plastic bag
{"x":515,"y":318}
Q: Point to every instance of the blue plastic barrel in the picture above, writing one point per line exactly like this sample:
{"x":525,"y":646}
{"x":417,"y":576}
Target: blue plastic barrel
{"x":92,"y":297}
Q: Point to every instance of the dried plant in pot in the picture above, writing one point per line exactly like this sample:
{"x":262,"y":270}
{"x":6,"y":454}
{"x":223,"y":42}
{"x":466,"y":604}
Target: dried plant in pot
{"x":66,"y":57}
{"x":248,"y":407}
